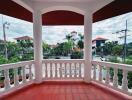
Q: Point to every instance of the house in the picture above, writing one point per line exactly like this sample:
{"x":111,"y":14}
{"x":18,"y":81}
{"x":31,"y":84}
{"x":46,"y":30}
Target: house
{"x":62,"y":79}
{"x":98,"y":42}
{"x":23,"y":38}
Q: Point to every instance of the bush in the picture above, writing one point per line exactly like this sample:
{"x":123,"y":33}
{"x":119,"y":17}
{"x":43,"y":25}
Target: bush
{"x":77,"y":55}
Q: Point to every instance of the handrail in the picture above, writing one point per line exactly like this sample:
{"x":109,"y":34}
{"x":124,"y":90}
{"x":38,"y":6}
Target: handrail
{"x":15,"y":65}
{"x":63,"y":60}
{"x":113,"y":65}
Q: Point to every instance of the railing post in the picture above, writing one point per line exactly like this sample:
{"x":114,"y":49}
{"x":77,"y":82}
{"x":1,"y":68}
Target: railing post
{"x":115,"y":78}
{"x":7,"y":79}
{"x":23,"y":75}
{"x":94,"y":72}
{"x":100,"y":73}
{"x":87,"y":46}
{"x":16,"y":77}
{"x":37,"y":33}
{"x":107,"y":79}
{"x":125,"y":81}
{"x":30,"y":73}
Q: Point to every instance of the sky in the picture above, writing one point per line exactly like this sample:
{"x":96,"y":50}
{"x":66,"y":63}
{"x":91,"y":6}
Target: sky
{"x":56,"y":34}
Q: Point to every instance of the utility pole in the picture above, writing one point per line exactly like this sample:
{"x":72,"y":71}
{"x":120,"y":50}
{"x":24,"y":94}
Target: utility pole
{"x":125,"y":40}
{"x":5,"y":25}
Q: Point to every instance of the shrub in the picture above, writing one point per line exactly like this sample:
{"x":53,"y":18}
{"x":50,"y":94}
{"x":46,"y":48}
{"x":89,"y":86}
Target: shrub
{"x":77,"y":55}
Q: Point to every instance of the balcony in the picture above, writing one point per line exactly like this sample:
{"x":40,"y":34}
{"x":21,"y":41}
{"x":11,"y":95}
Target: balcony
{"x":64,"y":80}
{"x":77,"y":79}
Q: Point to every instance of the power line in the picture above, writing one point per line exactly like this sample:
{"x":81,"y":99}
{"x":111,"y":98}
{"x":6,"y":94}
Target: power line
{"x":124,"y":31}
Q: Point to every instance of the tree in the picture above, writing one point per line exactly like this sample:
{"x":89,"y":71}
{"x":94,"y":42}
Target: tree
{"x":26,"y":49}
{"x":80,"y":42}
{"x":117,"y":50}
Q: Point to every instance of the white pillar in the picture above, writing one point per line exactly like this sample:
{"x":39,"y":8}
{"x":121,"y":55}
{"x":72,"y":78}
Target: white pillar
{"x":37,"y":33}
{"x":87,"y":46}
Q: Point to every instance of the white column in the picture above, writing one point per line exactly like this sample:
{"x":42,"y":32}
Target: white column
{"x":87,"y":46}
{"x":37,"y":33}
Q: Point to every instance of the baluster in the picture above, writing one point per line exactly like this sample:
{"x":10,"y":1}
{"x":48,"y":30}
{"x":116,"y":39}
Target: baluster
{"x":125,"y":81}
{"x":56,"y":70}
{"x":80,"y":70}
{"x":30,"y":72}
{"x":100,"y":73}
{"x":51,"y":71}
{"x":46,"y":71}
{"x":107,"y":80}
{"x":60,"y":70}
{"x":94,"y":72}
{"x":115,"y":78}
{"x":70,"y":70}
{"x":16,"y":77}
{"x":7,"y":79}
{"x":75,"y":70}
{"x":23,"y":75}
{"x":65,"y":66}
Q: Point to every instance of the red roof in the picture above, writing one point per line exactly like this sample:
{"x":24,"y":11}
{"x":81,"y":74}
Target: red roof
{"x":24,"y":38}
{"x":99,"y":38}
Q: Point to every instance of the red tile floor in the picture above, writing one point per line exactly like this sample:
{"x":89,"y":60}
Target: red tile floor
{"x":64,"y":91}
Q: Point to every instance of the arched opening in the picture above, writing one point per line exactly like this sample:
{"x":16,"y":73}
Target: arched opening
{"x":16,"y":30}
{"x":63,"y":34}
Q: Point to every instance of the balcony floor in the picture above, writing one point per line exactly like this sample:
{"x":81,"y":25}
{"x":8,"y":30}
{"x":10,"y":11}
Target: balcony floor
{"x":64,"y":91}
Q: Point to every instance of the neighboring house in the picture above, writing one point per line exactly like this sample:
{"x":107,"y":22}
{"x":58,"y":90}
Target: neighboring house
{"x":23,"y":38}
{"x":27,"y":46}
{"x":98,"y":42}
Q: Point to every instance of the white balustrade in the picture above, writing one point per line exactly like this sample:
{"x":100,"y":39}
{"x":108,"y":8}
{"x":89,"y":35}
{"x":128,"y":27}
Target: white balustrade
{"x":63,"y":69}
{"x":10,"y":82}
{"x":115,"y":78}
{"x":7,"y":79}
{"x":107,"y":79}
{"x":103,"y":75}
{"x":125,"y":81}
{"x":94,"y":72}
{"x":100,"y":73}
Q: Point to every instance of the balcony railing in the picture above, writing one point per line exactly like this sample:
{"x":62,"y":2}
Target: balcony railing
{"x":63,"y":69}
{"x":24,"y":73}
{"x":99,"y":67}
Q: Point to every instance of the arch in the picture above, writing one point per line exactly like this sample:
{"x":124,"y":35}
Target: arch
{"x":66,"y":8}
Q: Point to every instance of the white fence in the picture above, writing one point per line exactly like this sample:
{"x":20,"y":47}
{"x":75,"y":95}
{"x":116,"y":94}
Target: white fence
{"x":16,"y":75}
{"x":100,"y":66}
{"x":63,"y":69}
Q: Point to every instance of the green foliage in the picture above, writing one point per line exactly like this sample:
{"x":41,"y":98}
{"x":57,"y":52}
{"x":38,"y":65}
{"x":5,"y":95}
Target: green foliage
{"x":77,"y":55}
{"x":80,"y":44}
{"x":63,"y":49}
{"x":3,"y":60}
{"x":117,"y":50}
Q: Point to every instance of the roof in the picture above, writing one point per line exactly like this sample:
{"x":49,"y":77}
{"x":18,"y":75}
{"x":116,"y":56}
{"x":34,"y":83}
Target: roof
{"x":117,"y":7}
{"x":99,"y":38}
{"x":24,"y":38}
